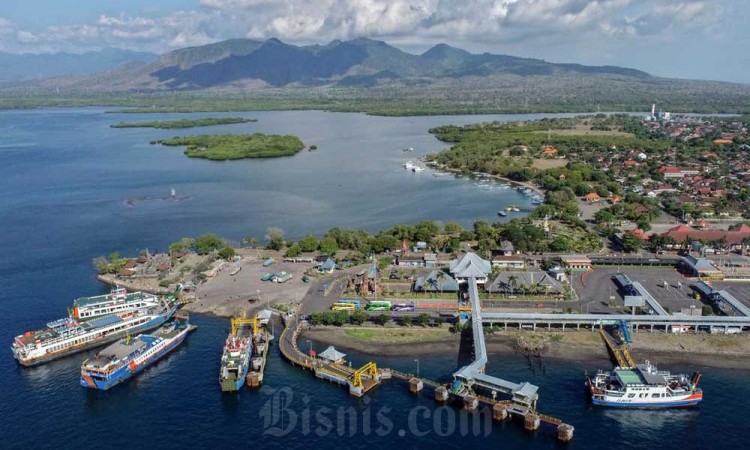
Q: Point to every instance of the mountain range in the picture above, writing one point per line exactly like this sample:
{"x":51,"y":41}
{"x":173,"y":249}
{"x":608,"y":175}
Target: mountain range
{"x":271,"y":63}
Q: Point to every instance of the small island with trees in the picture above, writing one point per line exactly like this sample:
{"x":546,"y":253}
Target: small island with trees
{"x":184,"y":123}
{"x":222,"y":147}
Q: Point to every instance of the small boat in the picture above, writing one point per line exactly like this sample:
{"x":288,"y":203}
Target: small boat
{"x":266,"y":277}
{"x":408,"y":149}
{"x":409,"y":165}
{"x":127,"y":357}
{"x":502,"y":213}
{"x":236,"y":270}
{"x":417,"y":169}
{"x":268,"y":262}
{"x":282,"y":277}
{"x":643,"y":386}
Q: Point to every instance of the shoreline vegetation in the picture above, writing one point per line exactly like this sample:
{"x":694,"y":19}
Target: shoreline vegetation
{"x":223,"y":147}
{"x":184,"y":123}
{"x":720,"y":351}
{"x":345,"y":102}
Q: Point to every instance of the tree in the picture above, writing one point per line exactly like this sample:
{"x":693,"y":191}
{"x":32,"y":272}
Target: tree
{"x":328,"y":246}
{"x":512,"y":283}
{"x":293,"y":250}
{"x":423,"y":319}
{"x":561,"y":244}
{"x":439,"y":278}
{"x":382,"y":319}
{"x":309,"y":243}
{"x":275,"y":238}
{"x":206,"y":243}
{"x":631,"y":243}
{"x":249,"y":241}
{"x":358,"y":317}
{"x":405,"y":321}
{"x":453,"y":228}
{"x":227,"y":253}
{"x":644,"y":224}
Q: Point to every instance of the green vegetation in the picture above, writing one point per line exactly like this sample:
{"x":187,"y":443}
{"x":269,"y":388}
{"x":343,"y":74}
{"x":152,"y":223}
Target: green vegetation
{"x":112,"y":265}
{"x":184,"y":123}
{"x":227,"y":253}
{"x":221,"y":147}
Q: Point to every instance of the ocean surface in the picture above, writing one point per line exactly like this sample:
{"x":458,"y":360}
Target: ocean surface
{"x":72,"y":189}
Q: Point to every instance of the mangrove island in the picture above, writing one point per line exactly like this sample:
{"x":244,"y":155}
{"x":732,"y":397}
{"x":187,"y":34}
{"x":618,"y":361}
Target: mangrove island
{"x":184,"y":123}
{"x":221,"y":147}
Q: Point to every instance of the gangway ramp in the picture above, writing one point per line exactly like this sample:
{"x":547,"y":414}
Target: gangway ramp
{"x":524,"y":395}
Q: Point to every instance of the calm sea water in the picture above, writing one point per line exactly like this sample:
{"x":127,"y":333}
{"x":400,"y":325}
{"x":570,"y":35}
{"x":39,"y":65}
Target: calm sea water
{"x":66,"y":177}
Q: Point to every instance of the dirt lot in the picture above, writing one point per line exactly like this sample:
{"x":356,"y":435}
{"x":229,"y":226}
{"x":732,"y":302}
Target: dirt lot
{"x":544,"y":164}
{"x":227,"y":295}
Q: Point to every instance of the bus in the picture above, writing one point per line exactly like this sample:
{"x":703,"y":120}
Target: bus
{"x":378,"y":305}
{"x":353,"y":301}
{"x":339,"y":306}
{"x":403,"y":307}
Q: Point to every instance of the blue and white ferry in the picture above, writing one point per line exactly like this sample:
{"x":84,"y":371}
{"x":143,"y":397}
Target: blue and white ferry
{"x":644,"y":386}
{"x":128,"y":357}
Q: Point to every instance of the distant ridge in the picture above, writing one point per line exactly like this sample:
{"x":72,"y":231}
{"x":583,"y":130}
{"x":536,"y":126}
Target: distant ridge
{"x":33,"y":66}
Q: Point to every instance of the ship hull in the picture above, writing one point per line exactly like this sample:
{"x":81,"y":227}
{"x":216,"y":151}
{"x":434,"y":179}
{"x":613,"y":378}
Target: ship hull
{"x":688,"y":402}
{"x":148,"y":326}
{"x":124,"y":373}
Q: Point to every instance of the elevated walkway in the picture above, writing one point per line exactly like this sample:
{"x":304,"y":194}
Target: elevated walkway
{"x":650,"y":300}
{"x":523,"y":396}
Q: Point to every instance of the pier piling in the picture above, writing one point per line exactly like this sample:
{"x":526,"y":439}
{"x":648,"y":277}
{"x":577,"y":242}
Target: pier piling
{"x":499,"y":412}
{"x":531,"y":422}
{"x":565,"y":432}
{"x":470,"y":403}
{"x":415,"y":385}
{"x":441,"y":394}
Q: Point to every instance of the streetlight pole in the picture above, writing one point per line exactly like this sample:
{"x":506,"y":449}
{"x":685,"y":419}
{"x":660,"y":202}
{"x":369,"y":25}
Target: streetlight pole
{"x":417,"y":361}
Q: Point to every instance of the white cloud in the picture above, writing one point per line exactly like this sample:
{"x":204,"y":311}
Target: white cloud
{"x":413,"y":21}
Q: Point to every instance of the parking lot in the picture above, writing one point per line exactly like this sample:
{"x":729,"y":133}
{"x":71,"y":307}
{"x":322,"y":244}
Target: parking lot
{"x":598,"y":287}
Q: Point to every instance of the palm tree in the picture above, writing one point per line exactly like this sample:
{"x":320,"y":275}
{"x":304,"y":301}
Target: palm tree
{"x":512,"y":283}
{"x":440,"y":277}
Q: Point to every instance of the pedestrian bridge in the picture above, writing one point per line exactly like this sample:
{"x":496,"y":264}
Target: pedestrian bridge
{"x":524,"y":395}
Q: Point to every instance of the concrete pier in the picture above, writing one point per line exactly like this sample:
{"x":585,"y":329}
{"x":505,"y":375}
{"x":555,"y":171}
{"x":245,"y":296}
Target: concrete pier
{"x":415,"y":385}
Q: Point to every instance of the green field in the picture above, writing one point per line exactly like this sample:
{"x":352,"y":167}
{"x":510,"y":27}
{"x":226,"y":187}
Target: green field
{"x":222,"y":147}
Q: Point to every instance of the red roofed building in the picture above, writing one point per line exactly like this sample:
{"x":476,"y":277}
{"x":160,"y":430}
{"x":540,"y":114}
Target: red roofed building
{"x":732,"y":238}
{"x":671,"y":172}
{"x":640,"y":234}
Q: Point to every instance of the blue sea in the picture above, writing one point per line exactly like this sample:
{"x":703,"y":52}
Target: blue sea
{"x":74,"y":189}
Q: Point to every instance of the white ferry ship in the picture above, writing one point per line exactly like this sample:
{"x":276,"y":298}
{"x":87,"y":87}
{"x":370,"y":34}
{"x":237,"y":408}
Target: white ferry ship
{"x":644,"y":387}
{"x":116,"y":302}
{"x":68,"y":336}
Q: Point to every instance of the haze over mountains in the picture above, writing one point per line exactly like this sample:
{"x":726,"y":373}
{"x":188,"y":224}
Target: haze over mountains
{"x":32,"y":66}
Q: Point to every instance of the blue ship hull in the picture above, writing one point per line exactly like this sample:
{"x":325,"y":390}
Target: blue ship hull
{"x":124,"y":373}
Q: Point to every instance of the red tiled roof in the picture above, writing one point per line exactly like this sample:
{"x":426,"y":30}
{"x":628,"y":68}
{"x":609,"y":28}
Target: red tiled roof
{"x":734,"y":237}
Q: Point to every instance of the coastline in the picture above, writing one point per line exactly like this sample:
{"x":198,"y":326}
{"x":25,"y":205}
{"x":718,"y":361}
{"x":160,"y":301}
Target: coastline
{"x":533,"y":186}
{"x":581,"y":346}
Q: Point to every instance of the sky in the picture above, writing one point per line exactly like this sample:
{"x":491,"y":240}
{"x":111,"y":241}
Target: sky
{"x":674,"y":38}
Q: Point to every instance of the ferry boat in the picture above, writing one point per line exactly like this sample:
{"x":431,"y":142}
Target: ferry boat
{"x":235,"y":361}
{"x":117,"y":301}
{"x":644,"y":387}
{"x":67,"y":336}
{"x":127,"y":357}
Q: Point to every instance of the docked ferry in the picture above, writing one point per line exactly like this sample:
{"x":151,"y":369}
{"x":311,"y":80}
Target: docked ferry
{"x":116,"y":302}
{"x":127,"y":357}
{"x":67,"y":336}
{"x":644,"y":387}
{"x":235,"y":360}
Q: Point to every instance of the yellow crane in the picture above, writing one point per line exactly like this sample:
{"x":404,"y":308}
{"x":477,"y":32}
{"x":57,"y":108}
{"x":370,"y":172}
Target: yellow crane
{"x":370,"y":368}
{"x":237,"y":322}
